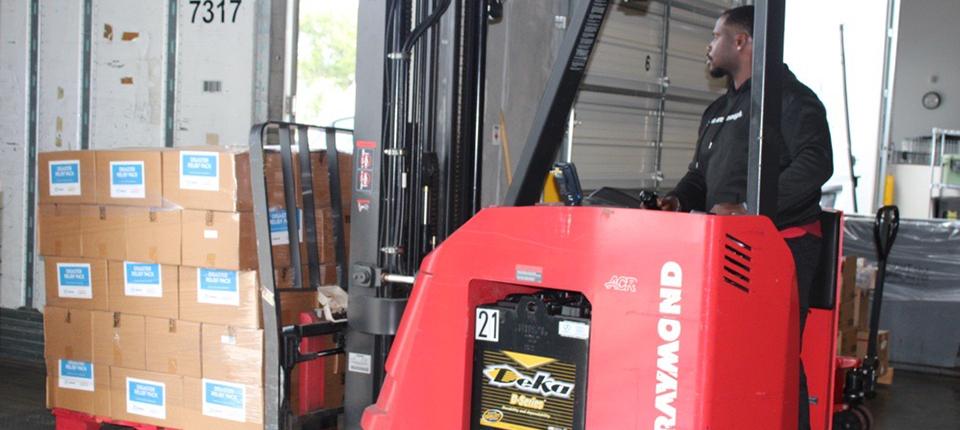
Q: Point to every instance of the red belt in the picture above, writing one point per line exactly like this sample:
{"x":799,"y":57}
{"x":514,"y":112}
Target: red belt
{"x":801,"y":230}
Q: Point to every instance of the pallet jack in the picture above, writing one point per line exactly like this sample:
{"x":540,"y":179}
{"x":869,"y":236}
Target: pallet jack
{"x":557,"y":317}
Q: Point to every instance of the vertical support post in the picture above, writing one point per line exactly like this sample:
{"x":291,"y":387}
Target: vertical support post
{"x":664,"y":84}
{"x":765,"y":108}
{"x":362,"y":383}
{"x":171,"y":74}
{"x":85,"y":59}
{"x":31,"y":188}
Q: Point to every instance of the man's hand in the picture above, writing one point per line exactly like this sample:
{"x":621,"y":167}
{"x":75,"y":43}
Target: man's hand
{"x":669,"y":203}
{"x":729,"y":209}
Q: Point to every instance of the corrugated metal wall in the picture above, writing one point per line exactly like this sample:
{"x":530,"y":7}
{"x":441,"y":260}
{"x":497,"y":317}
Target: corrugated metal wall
{"x":617,"y":115}
{"x":104,"y":80}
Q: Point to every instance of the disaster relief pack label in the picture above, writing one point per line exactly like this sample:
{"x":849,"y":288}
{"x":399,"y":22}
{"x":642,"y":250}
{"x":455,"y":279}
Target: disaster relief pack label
{"x":524,"y":391}
{"x":224,"y":400}
{"x":278,"y":226}
{"x":218,"y":287}
{"x":199,"y":170}
{"x":73,"y":281}
{"x":127,"y":180}
{"x":147,"y":398}
{"x":142,"y":280}
{"x":65,"y":178}
{"x":75,"y":375}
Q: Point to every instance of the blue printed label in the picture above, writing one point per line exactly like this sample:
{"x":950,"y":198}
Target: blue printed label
{"x":65,"y":178}
{"x":73,"y":281}
{"x":127,"y":180}
{"x":278,"y":226}
{"x":199,"y":170}
{"x":224,"y":400}
{"x":217,"y":287}
{"x":142,"y":280}
{"x":76,"y":375}
{"x":147,"y":398}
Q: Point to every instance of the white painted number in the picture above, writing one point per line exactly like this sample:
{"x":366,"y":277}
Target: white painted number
{"x":488,"y":325}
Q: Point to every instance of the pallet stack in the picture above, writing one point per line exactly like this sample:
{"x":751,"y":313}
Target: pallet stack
{"x":153,"y":303}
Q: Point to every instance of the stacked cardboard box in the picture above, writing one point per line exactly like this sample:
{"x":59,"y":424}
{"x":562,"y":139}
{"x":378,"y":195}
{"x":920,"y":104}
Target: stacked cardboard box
{"x":153,"y":307}
{"x":847,"y":308}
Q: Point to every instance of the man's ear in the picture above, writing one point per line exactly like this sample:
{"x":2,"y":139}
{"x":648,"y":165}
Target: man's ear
{"x":743,"y":40}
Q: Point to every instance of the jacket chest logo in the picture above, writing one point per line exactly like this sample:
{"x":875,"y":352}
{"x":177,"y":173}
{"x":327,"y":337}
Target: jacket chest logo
{"x":728,"y":118}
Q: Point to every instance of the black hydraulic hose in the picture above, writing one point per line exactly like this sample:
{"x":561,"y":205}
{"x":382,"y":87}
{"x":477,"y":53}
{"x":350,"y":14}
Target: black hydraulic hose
{"x":424,"y":26}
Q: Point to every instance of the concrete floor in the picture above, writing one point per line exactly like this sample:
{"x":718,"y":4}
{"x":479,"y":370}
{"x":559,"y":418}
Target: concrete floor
{"x":914,"y":401}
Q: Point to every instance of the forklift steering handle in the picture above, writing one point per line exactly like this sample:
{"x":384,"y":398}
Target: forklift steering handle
{"x":885,"y":230}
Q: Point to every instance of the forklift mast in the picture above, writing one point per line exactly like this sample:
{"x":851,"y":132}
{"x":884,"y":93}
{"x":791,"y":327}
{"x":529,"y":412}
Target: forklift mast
{"x":418,"y":147}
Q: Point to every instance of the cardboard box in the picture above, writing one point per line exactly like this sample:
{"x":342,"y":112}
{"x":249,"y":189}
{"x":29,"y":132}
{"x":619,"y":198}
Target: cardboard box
{"x":283,"y":276}
{"x":279,"y":237}
{"x":212,"y":404}
{"x":67,"y":334}
{"x":847,"y":343}
{"x":207,"y":178}
{"x":232,"y":354}
{"x":119,"y":340}
{"x":131,"y":177}
{"x":59,"y":230}
{"x":220,"y":296}
{"x":146,"y":397}
{"x":153,"y":235}
{"x":222,"y":240}
{"x":862,"y":307}
{"x":144,"y":289}
{"x":883,"y":348}
{"x":103,"y":232}
{"x":321,"y":179}
{"x":847,"y":316}
{"x":173,"y":346}
{"x":886,"y":378}
{"x":67,"y":177}
{"x":78,"y":283}
{"x":80,"y":386}
{"x":848,"y":284}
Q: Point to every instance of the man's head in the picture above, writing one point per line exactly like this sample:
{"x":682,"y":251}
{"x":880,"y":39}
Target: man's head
{"x":732,"y":46}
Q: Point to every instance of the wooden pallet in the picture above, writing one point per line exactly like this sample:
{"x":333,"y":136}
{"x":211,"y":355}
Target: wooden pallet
{"x":72,"y":420}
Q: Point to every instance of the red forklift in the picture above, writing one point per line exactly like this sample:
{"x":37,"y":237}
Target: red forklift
{"x":593,"y":314}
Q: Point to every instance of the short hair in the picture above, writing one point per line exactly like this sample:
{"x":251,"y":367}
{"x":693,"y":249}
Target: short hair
{"x":740,"y":17}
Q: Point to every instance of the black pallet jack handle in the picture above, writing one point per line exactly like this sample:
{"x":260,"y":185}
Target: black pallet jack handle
{"x":884,"y":234}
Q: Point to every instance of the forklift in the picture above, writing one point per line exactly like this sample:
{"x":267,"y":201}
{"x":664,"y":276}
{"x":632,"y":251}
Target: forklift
{"x":596,"y":313}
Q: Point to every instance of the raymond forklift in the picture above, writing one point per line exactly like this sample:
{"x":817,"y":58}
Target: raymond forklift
{"x":593,"y":314}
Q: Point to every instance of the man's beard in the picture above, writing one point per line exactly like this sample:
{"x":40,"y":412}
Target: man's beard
{"x":718,"y":72}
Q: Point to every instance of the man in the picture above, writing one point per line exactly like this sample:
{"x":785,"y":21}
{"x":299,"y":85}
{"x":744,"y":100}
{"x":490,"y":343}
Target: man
{"x":717,"y":177}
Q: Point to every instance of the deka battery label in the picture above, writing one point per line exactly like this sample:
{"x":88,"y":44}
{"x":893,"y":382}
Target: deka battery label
{"x":127,"y":180}
{"x":65,"y":178}
{"x":526,"y":392}
{"x":199,"y":170}
{"x":218,"y":287}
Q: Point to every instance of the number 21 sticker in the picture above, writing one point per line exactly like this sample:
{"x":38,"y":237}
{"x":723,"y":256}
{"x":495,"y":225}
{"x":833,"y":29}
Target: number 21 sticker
{"x":488,"y":325}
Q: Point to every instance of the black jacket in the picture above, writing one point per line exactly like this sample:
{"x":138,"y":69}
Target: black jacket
{"x":718,"y":173}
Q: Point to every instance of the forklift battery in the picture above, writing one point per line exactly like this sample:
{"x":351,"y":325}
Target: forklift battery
{"x":530,"y":362}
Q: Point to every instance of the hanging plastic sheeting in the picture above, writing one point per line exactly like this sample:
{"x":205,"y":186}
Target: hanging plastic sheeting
{"x":921,"y":297}
{"x":924,"y":263}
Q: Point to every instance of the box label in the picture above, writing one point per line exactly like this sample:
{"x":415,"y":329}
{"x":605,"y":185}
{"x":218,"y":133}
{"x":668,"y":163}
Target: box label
{"x":142,"y":280}
{"x":147,"y":398}
{"x":278,"y":226}
{"x":224,"y":400}
{"x":65,"y":178}
{"x":73,"y":281}
{"x":127,"y":180}
{"x":199,"y":170}
{"x":76,"y":375}
{"x":217,"y":287}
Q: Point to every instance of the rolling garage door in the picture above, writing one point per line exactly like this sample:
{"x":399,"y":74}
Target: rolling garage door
{"x":618,"y":138}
